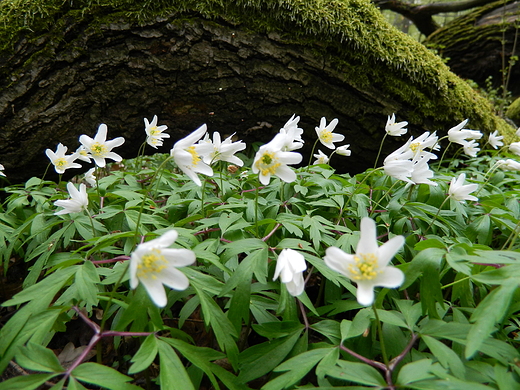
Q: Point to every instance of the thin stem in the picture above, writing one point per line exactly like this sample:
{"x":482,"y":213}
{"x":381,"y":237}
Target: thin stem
{"x":381,"y":337}
{"x":436,"y":215}
{"x":256,"y":211}
{"x":368,"y":361}
{"x":455,"y":282}
{"x":380,"y":149}
{"x":312,"y":153}
{"x":91,"y":223}
{"x":304,"y":314}
{"x":443,"y":154}
{"x":512,"y":237}
{"x":271,"y":232}
{"x":203,"y":190}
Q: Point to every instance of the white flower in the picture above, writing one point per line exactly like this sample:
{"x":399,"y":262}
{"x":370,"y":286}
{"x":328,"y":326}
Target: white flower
{"x":369,"y":267}
{"x":471,"y":148}
{"x":271,"y":160}
{"x":517,"y":133}
{"x":60,"y":161}
{"x":321,"y":158}
{"x":293,"y":134}
{"x":395,"y":129}
{"x":514,"y":147}
{"x":99,"y":148}
{"x":290,"y":266}
{"x":154,"y":133}
{"x":77,"y":203}
{"x":495,"y":140}
{"x":90,"y":178}
{"x":460,"y":192}
{"x":188,"y":155}
{"x":222,"y":150}
{"x":343,"y":150}
{"x":154,"y":264}
{"x":509,"y":164}
{"x":326,"y":135}
{"x":398,"y":164}
{"x":425,"y":140}
{"x":459,"y":135}
{"x":83,"y":154}
{"x":1,"y":169}
{"x":421,"y":172}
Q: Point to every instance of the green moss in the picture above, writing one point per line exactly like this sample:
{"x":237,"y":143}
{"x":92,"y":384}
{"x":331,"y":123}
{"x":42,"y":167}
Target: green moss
{"x":513,"y":111}
{"x":352,"y":31}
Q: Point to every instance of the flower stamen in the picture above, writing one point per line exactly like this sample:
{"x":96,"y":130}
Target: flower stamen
{"x":366,"y":267}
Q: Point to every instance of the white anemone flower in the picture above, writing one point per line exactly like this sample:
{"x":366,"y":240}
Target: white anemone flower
{"x":398,"y":164}
{"x":90,"y":178}
{"x":222,"y":150}
{"x":83,"y":154}
{"x":77,"y":203}
{"x":188,"y":155}
{"x":369,"y":267}
{"x":459,"y":135}
{"x":395,"y":129}
{"x":99,"y":148}
{"x":514,"y":147}
{"x":154,"y":133}
{"x":272,"y":160}
{"x":471,"y":148}
{"x":60,"y":161}
{"x":424,"y":141}
{"x":1,"y":169}
{"x":509,"y":164}
{"x":422,"y":173}
{"x":293,"y":134}
{"x":321,"y":158}
{"x":461,"y":192}
{"x":344,"y":150}
{"x":290,"y":267}
{"x":495,"y":140}
{"x":153,"y":264}
{"x":326,"y":135}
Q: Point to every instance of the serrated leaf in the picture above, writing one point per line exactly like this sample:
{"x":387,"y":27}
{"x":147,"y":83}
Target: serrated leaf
{"x":172,"y":374}
{"x":490,"y":311}
{"x":356,"y":372}
{"x":145,"y":355}
{"x":36,"y":357}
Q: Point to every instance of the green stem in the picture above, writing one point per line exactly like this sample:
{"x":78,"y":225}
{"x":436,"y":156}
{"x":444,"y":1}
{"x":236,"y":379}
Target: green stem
{"x":312,"y":154}
{"x":512,"y":237}
{"x":380,"y":149}
{"x":256,"y":210}
{"x":455,"y":282}
{"x":203,"y":190}
{"x":91,"y":223}
{"x":443,"y":154}
{"x":381,"y":337}
{"x":436,"y":215}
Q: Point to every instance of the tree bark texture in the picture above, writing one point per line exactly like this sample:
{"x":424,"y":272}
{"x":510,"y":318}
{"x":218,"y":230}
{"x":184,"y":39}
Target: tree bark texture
{"x":189,"y":69}
{"x":481,"y":44}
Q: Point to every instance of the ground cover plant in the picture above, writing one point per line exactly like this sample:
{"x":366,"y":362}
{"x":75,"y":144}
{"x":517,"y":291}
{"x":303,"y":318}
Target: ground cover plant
{"x":220,"y":265}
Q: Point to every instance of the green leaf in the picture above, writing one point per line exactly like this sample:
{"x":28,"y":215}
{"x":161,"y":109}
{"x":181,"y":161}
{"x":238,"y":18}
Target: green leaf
{"x":448,"y":359}
{"x":145,"y":355}
{"x":490,"y":311}
{"x":26,"y":382}
{"x":36,"y":357}
{"x":430,"y":289}
{"x":356,"y":372}
{"x":296,"y":367}
{"x":101,"y":375}
{"x":86,"y":281}
{"x":415,"y":371}
{"x":263,"y":358}
{"x":172,"y":373}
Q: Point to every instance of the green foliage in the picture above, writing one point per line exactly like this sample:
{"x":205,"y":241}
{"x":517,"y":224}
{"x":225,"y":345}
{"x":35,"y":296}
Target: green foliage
{"x":452,"y":324}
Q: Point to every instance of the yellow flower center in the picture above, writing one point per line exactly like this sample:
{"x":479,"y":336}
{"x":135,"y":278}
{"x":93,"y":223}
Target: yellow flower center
{"x":151,"y":264}
{"x":60,"y":162}
{"x":98,"y":150}
{"x":195,"y":158}
{"x":416,"y":146}
{"x":326,"y":136}
{"x":365,"y":267}
{"x":267,"y":164}
{"x":153,"y":130}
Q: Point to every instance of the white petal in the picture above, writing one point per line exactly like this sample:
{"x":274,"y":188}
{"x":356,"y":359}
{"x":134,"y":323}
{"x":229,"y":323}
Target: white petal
{"x":338,"y":260}
{"x":365,"y":294}
{"x":285,"y":173}
{"x":388,"y":250}
{"x":174,"y":278}
{"x":101,"y":135}
{"x":179,"y":257}
{"x":155,"y":290}
{"x":391,"y":277}
{"x":367,"y":241}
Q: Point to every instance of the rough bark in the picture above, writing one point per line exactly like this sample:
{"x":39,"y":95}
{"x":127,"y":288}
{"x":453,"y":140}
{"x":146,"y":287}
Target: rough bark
{"x":190,"y":69}
{"x":480,"y":45}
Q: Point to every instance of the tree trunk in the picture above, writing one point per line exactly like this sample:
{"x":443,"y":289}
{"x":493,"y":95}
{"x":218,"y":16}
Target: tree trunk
{"x":229,"y":71}
{"x":481,"y":44}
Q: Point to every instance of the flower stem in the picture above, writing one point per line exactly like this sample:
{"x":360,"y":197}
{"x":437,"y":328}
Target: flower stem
{"x":380,"y":149}
{"x":312,"y":153}
{"x":436,"y":215}
{"x":256,"y":210}
{"x":381,"y":337}
{"x":443,"y":154}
